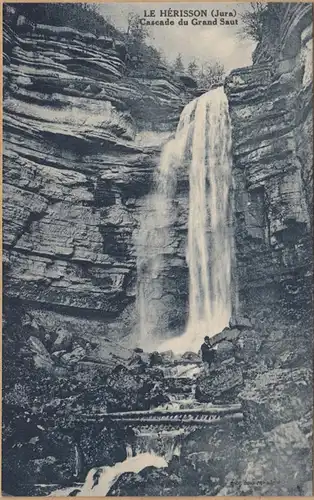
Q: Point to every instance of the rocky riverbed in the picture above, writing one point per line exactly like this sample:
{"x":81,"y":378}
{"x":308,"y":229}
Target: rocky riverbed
{"x":59,"y":448}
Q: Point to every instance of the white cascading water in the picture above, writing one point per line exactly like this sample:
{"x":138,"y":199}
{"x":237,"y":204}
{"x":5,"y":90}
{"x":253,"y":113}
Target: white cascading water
{"x":100,"y":479}
{"x":107,"y":476}
{"x":153,"y":239}
{"x":209,"y":230}
{"x":203,"y":145}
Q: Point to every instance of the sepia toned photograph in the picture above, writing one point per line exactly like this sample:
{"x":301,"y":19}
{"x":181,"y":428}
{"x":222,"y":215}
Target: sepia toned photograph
{"x":157,"y":249}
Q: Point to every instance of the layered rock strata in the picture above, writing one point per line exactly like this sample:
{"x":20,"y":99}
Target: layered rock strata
{"x":271,"y":114}
{"x":81,"y":142}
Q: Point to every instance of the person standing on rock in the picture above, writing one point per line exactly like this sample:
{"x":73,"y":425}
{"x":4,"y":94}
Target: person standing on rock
{"x":207,"y":353}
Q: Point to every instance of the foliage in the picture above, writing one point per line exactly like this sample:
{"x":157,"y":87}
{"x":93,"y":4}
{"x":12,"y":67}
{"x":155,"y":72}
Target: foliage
{"x":178,"y":65}
{"x":80,"y":16}
{"x":210,"y":74}
{"x":136,"y":35}
{"x":192,"y":69}
{"x":252,"y":21}
{"x":206,"y":74}
{"x":141,"y":56}
{"x":256,"y":19}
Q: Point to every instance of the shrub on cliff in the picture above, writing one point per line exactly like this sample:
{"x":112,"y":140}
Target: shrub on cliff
{"x":206,"y":74}
{"x":261,"y":20}
{"x":87,"y":18}
{"x":80,"y":16}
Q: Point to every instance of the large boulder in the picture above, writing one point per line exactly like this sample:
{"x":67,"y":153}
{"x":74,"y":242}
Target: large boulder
{"x":277,"y":396}
{"x":101,"y":446}
{"x":224,"y":350}
{"x":239,"y":322}
{"x":230,"y":334}
{"x":160,"y":358}
{"x":191,"y":356}
{"x":139,"y":362}
{"x":37,"y":457}
{"x":40,"y":354}
{"x":150,"y":481}
{"x":223,"y":383}
{"x":133,"y":392}
{"x":73,"y":357}
{"x":279,"y":464}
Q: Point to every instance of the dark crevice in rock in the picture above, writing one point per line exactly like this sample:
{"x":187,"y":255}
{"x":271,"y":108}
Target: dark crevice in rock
{"x":72,"y":311}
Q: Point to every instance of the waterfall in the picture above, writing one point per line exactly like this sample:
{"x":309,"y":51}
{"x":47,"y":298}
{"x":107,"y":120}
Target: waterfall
{"x":153,"y":240}
{"x":209,"y":231}
{"x":201,"y":149}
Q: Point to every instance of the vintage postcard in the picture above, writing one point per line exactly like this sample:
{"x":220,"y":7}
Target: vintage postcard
{"x":157,"y":249}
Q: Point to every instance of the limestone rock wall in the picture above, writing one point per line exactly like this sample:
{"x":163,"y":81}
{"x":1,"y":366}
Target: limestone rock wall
{"x":271,"y":115}
{"x":81,"y":140}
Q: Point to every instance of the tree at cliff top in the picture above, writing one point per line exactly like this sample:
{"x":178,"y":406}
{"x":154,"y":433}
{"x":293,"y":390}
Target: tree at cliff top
{"x":80,"y":16}
{"x":260,"y":19}
{"x":141,"y":56}
{"x":206,"y":75}
{"x":178,"y":65}
{"x":192,"y":69}
{"x":87,"y":18}
{"x":136,"y":34}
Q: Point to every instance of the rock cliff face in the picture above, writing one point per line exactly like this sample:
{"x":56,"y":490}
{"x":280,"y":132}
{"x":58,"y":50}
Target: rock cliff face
{"x":81,"y":142}
{"x":271,"y":115}
{"x":82,"y":139}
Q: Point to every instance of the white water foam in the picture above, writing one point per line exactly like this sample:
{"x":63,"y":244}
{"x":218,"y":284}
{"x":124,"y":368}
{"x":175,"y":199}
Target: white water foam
{"x":99,"y":480}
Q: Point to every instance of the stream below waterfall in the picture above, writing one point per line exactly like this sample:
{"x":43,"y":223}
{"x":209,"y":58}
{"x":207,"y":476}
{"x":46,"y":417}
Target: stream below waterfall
{"x":99,"y":480}
{"x":153,"y":447}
